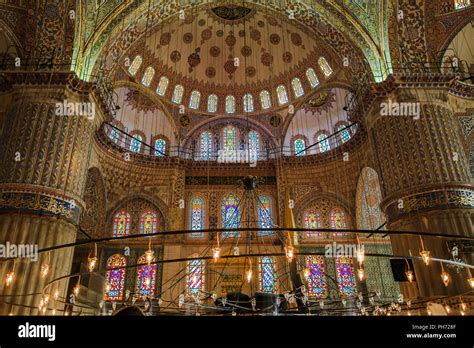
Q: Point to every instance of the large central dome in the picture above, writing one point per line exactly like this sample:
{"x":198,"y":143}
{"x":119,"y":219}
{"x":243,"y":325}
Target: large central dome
{"x":229,"y":50}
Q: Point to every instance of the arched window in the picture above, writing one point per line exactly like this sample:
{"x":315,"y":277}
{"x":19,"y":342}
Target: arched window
{"x":267,"y":276}
{"x":338,"y":221}
{"x":197,"y":217}
{"x":344,"y":133}
{"x":137,"y":62}
{"x":325,"y":67}
{"x":194,"y":100}
{"x":230,"y":142}
{"x":195,"y":276}
{"x":205,"y":146}
{"x":121,"y":224}
{"x":136,"y":143}
{"x":312,"y":78}
{"x":312,"y":219}
{"x":282,"y":95}
{"x":178,"y":94}
{"x":297,"y":87}
{"x":248,"y":103}
{"x":146,"y":278}
{"x":265,"y":215}
{"x":254,"y":146}
{"x":162,"y":86}
{"x":299,"y":147}
{"x":160,"y":147}
{"x":114,"y":135}
{"x":317,"y":286}
{"x":460,"y":4}
{"x":148,"y":76}
{"x":148,"y":222}
{"x":345,"y":276}
{"x":323,"y":143}
{"x":212,"y":103}
{"x":265,"y":100}
{"x":230,"y":104}
{"x":230,"y":211}
{"x":115,"y":278}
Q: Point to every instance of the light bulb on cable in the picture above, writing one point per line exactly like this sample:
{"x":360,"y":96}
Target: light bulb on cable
{"x":290,"y":253}
{"x":470,"y":281}
{"x":360,"y":255}
{"x":249,"y":275}
{"x":76,"y":290}
{"x":306,"y":273}
{"x":9,"y":278}
{"x":91,"y":263}
{"x":361,"y":273}
{"x":56,"y":294}
{"x":425,"y":255}
{"x":409,"y":274}
{"x":463,"y":306}
{"x":216,"y":253}
{"x":445,"y":278}
{"x":44,"y":270}
{"x":447,"y":308}
{"x":149,"y":255}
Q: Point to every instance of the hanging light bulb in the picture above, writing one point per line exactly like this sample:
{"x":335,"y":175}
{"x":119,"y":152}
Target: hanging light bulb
{"x":470,"y":281}
{"x":76,"y":289}
{"x":463,"y":306}
{"x":447,"y":308}
{"x":249,"y":275}
{"x":429,"y":311}
{"x":149,"y":256}
{"x":290,"y":253}
{"x":409,"y":274}
{"x":56,"y":294}
{"x":9,"y":278}
{"x":216,"y":253}
{"x":425,"y":255}
{"x":360,"y":254}
{"x":44,"y":270}
{"x":463,"y":313}
{"x":361,"y":273}
{"x":91,"y":263}
{"x":445,"y":278}
{"x":46,"y":299}
{"x":306,"y":273}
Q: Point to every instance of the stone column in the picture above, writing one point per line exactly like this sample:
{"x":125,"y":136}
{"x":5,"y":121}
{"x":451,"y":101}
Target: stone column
{"x":44,"y":160}
{"x":425,"y":183}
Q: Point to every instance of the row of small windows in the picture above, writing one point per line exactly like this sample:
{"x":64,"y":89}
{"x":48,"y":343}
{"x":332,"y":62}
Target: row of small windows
{"x":337,"y":221}
{"x":230,"y":102}
{"x":299,"y":143}
{"x":137,"y":141}
{"x":145,"y":282}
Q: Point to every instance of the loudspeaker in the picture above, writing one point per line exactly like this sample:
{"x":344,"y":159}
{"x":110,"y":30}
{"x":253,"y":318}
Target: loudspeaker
{"x":399,"y":267}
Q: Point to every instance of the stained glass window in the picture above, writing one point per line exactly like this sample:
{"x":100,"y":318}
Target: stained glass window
{"x":146,"y":278}
{"x":248,"y":103}
{"x":338,"y":221}
{"x":114,"y":135}
{"x":162,"y":86}
{"x":230,"y":142}
{"x":137,"y":62}
{"x":194,"y":100}
{"x":178,"y":94}
{"x":299,"y":147}
{"x":205,"y":143}
{"x":325,"y":67}
{"x":312,"y":219}
{"x":160,"y":147}
{"x":297,"y":87}
{"x":345,"y":276}
{"x":121,"y":224}
{"x":344,"y":133}
{"x":312,"y":78}
{"x":230,"y":214}
{"x":148,"y":222}
{"x":197,"y":217}
{"x":148,"y":76}
{"x":459,"y":4}
{"x":267,"y":276}
{"x":265,"y":100}
{"x":254,"y":146}
{"x":115,"y":278}
{"x":282,"y":95}
{"x":136,"y":143}
{"x":265,"y":215}
{"x":195,"y":276}
{"x":317,"y":286}
{"x":212,"y":103}
{"x":323,"y":143}
{"x":230,"y":104}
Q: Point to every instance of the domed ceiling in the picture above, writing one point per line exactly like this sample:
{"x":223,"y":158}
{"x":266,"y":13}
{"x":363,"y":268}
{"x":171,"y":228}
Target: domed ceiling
{"x":228,"y":51}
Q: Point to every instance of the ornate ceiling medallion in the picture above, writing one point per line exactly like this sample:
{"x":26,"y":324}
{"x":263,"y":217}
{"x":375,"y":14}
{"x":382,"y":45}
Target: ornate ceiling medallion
{"x":140,"y":102}
{"x":231,"y":13}
{"x":320,"y":102}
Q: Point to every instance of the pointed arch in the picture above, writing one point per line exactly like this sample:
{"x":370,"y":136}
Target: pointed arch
{"x":148,"y":222}
{"x":231,"y":214}
{"x":197,"y":216}
{"x":146,"y":278}
{"x":267,"y":274}
{"x":115,"y":278}
{"x":121,"y":225}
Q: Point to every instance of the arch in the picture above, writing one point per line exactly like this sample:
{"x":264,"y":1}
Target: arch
{"x":148,"y":222}
{"x":254,"y":145}
{"x":135,"y":66}
{"x":369,"y":214}
{"x":265,"y":100}
{"x":298,"y":90}
{"x":298,"y":145}
{"x":194,"y":100}
{"x":265,"y":215}
{"x":312,"y":78}
{"x":148,"y":76}
{"x":323,"y":142}
{"x":93,"y":217}
{"x":136,"y":143}
{"x":230,"y":104}
{"x":115,"y":278}
{"x":317,"y":286}
{"x":344,"y":133}
{"x":229,"y":141}
{"x":121,"y":225}
{"x":248,"y":102}
{"x":195,"y":276}
{"x":230,"y":214}
{"x":160,"y":146}
{"x":212,"y":101}
{"x":325,"y":67}
{"x":267,"y":274}
{"x":162,"y":86}
{"x":346,"y":281}
{"x":282,"y":95}
{"x":205,"y":145}
{"x":312,"y":220}
{"x":178,"y":94}
{"x":338,"y":221}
